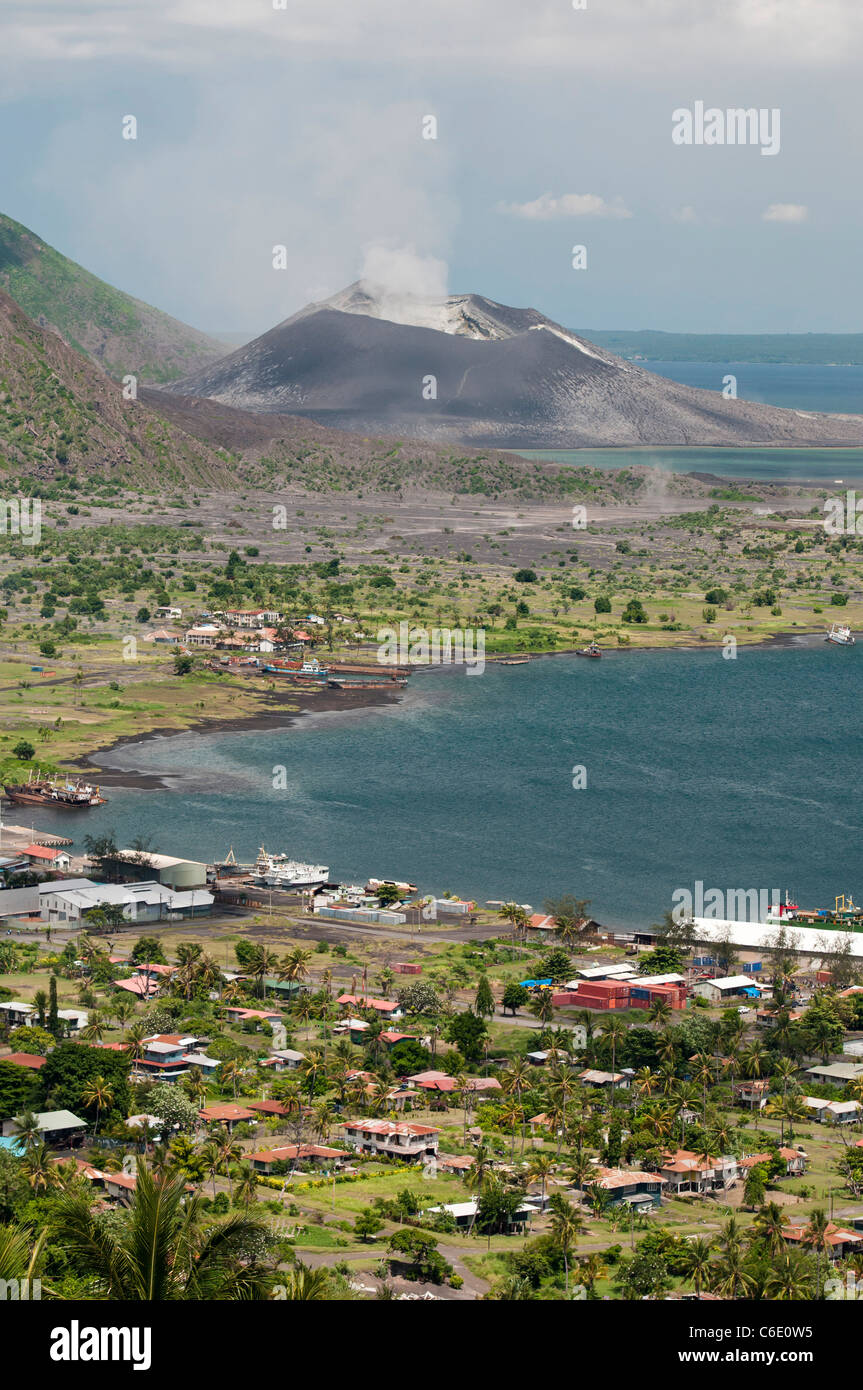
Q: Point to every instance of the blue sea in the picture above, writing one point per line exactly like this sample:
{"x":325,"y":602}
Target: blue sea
{"x":741,"y":774}
{"x":821,"y":388}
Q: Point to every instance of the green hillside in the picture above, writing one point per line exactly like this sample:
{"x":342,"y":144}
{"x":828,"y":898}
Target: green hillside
{"x":119,"y":333}
{"x":61,"y":417}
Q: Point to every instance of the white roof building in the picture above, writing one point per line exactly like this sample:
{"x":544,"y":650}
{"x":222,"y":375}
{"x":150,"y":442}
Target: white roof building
{"x":68,"y":900}
{"x":807,"y":941}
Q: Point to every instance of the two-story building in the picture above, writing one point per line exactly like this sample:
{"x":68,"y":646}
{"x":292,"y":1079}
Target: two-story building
{"x":403,"y":1140}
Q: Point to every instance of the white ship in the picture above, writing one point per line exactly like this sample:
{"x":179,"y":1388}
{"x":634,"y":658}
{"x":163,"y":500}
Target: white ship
{"x":841,"y":635}
{"x":278,"y":871}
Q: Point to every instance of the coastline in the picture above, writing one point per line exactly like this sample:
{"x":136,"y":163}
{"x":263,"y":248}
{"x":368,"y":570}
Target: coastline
{"x":302,"y":703}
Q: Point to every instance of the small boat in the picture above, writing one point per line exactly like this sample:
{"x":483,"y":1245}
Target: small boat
{"x":513,"y":661}
{"x":590,"y":650}
{"x":840,"y":633}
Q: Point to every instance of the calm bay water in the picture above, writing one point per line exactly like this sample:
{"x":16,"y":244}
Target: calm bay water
{"x":833,"y":389}
{"x":741,"y":773}
{"x":813,"y":386}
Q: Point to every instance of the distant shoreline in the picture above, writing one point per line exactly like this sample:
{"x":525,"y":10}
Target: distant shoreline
{"x":331,"y":702}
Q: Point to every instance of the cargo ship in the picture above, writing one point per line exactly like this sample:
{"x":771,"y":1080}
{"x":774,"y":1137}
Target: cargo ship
{"x":48,"y":791}
{"x":278,"y":871}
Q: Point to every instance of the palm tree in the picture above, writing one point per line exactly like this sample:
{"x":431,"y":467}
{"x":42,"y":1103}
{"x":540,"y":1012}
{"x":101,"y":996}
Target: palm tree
{"x":613,"y":1034}
{"x":790,"y":1278}
{"x":262,"y":962}
{"x":294,"y":965}
{"x":230,"y":1151}
{"x":96,"y":1025}
{"x":247,"y":1185}
{"x":306,"y":1285}
{"x":509,"y":1115}
{"x":18,"y":1258}
{"x":212,"y":1160}
{"x":752,"y":1058}
{"x":99,"y":1092}
{"x":134,"y":1040}
{"x":699,"y":1263}
{"x":27,"y":1129}
{"x":39,"y":1169}
{"x":659,"y":1011}
{"x":514,"y":1082}
{"x":702,"y":1075}
{"x":816,"y":1236}
{"x":195,"y":1087}
{"x":644,"y":1082}
{"x":566,"y":1226}
{"x":539,"y":1168}
{"x":311,"y":1068}
{"x":769,"y":1225}
{"x":732,"y":1277}
{"x":162,"y":1252}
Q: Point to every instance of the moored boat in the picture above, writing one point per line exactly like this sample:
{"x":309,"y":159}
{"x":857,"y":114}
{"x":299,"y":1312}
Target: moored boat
{"x":278,"y":871}
{"x":590,"y":650}
{"x":840,"y":633}
{"x":49,"y":791}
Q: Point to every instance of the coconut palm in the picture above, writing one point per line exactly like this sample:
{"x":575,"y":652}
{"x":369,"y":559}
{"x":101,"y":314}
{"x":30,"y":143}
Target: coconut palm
{"x":790,"y":1277}
{"x":99,"y":1092}
{"x":212,"y":1161}
{"x":27,"y":1129}
{"x":162,"y":1251}
{"x":699,"y":1262}
{"x":231,"y":1073}
{"x":770,"y":1225}
{"x":18,"y":1257}
{"x":39,"y":1168}
{"x":95,"y":1028}
{"x":311,"y":1067}
{"x":566,"y":1226}
{"x":246,"y":1190}
{"x":515,"y":1080}
{"x":230,"y":1151}
{"x":816,"y":1237}
{"x":262,"y":962}
{"x":510,"y":1116}
{"x":294,"y":965}
{"x":752,"y":1058}
{"x":541,"y":1165}
{"x":133,"y":1039}
{"x":731,"y":1276}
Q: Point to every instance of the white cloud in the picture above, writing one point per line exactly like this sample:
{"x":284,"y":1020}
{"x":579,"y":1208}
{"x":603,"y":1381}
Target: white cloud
{"x":785,"y":212}
{"x":547,"y":208}
{"x":686,"y":214}
{"x":741,"y":33}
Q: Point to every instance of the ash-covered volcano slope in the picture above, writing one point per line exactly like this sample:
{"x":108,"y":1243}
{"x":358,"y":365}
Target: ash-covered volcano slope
{"x":466,"y":370}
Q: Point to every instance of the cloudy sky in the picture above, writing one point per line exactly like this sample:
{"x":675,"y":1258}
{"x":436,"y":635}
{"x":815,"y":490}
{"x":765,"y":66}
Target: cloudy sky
{"x":303,"y":126}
